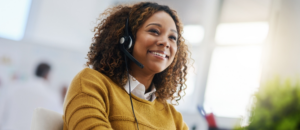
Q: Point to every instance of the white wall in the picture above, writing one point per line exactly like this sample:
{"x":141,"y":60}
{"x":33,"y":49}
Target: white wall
{"x":64,"y":24}
{"x":283,"y":48}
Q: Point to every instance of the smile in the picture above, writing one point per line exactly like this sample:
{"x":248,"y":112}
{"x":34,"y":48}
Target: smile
{"x":158,"y":54}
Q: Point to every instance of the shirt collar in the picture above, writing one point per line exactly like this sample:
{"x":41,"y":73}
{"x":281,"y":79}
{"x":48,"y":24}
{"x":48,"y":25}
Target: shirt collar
{"x":133,"y":84}
{"x":150,"y":96}
{"x":138,"y":89}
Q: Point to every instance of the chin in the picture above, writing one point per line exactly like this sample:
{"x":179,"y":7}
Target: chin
{"x":156,"y":68}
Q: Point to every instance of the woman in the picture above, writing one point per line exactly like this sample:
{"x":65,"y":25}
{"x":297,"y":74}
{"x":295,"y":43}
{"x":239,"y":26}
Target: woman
{"x":100,"y":98}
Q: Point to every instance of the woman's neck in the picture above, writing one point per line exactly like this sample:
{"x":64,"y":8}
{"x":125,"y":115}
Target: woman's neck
{"x":142,"y":77}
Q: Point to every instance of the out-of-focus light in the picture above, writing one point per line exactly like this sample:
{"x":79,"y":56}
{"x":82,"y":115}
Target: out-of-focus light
{"x":233,"y":78}
{"x":13,"y":18}
{"x":242,"y":33}
{"x":193,"y":34}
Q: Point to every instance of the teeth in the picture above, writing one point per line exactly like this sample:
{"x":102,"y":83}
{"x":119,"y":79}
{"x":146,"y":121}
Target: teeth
{"x":159,"y":54}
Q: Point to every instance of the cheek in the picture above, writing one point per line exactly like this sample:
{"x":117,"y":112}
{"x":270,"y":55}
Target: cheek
{"x":147,"y":40}
{"x":140,"y":48}
{"x":174,"y":52}
{"x":143,"y":39}
{"x":142,"y":45}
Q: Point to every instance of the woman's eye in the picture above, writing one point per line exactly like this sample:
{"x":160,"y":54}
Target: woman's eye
{"x":173,"y":38}
{"x":153,"y":31}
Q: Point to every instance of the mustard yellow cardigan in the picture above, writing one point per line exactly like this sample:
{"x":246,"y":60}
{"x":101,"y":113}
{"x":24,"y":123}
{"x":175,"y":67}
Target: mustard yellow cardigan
{"x":95,"y":102}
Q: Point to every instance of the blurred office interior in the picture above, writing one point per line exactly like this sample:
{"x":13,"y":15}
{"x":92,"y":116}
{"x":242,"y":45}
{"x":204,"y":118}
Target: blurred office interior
{"x":236,"y":45}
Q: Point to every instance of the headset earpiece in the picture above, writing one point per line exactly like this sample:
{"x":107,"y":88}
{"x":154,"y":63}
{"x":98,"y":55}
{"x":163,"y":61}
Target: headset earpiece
{"x":126,"y":43}
{"x":130,"y":42}
{"x":127,"y":40}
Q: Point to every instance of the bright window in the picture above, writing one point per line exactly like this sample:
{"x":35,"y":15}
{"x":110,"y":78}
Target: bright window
{"x":13,"y":15}
{"x":235,"y":68}
{"x":193,"y":34}
{"x":242,"y":33}
{"x":233,"y":76}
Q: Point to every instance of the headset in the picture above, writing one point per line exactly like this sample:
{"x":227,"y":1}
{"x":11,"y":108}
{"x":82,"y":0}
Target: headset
{"x":127,"y":41}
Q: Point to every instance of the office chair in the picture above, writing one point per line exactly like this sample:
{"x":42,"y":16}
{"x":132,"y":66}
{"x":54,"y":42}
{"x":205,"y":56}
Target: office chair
{"x":44,"y":119}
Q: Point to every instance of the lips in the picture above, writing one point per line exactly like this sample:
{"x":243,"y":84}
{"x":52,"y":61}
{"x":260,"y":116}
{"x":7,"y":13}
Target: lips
{"x":159,"y":53}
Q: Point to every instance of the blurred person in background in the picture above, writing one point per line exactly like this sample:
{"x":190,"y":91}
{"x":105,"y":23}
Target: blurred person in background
{"x":20,"y":102}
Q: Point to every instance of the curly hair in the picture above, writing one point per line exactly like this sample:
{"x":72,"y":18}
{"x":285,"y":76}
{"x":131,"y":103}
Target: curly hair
{"x":106,"y":57}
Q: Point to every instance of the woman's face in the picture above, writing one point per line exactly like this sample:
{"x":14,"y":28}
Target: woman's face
{"x":156,"y":42}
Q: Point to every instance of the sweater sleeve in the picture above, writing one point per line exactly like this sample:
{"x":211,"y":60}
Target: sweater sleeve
{"x":180,"y":124}
{"x":86,"y":104}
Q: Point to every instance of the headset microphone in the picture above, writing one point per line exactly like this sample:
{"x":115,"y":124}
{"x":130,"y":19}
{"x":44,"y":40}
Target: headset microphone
{"x":128,"y":41}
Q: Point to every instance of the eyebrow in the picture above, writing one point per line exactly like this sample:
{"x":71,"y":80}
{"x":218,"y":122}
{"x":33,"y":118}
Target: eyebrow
{"x":157,"y":24}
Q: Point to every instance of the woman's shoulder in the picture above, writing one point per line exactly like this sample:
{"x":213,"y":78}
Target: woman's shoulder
{"x":88,"y":72}
{"x":173,"y":110}
{"x":89,"y":80}
{"x":180,"y":124}
{"x":92,"y":75}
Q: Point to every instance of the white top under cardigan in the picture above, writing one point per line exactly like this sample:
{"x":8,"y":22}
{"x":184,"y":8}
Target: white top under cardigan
{"x":138,"y":89}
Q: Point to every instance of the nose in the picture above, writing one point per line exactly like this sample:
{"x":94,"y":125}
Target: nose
{"x":163,"y":42}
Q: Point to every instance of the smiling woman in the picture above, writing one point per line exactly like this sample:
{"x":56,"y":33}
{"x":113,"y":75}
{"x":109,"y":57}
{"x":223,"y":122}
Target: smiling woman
{"x":111,"y":96}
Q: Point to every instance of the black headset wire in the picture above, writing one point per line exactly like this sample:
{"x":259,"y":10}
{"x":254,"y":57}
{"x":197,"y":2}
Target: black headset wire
{"x":137,"y":124}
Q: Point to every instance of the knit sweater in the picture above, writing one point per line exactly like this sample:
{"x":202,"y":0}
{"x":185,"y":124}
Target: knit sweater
{"x":95,"y":102}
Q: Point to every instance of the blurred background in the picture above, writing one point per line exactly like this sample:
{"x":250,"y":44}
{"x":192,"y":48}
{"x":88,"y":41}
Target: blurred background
{"x":236,"y":45}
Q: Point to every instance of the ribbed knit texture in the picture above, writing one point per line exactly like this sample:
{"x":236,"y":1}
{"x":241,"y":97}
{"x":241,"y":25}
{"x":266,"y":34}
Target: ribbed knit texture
{"x":95,"y":102}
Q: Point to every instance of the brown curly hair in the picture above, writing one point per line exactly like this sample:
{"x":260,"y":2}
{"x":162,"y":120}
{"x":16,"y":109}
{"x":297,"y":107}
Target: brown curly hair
{"x":106,"y":57}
